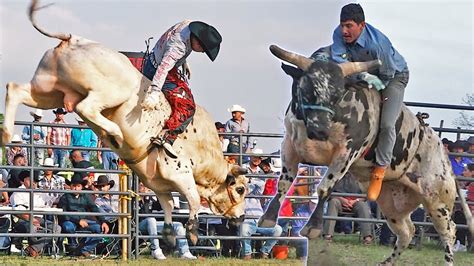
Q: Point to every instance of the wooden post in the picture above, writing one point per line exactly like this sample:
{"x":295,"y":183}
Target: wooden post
{"x":123,"y":220}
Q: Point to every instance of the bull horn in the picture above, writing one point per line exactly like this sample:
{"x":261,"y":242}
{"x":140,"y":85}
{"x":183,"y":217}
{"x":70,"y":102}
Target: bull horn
{"x":350,"y":68}
{"x":293,"y":58}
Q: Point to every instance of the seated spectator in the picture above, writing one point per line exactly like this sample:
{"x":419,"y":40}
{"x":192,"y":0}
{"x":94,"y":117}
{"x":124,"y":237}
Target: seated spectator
{"x":458,"y":162}
{"x":13,"y":151}
{"x":13,"y":179}
{"x":150,"y":226}
{"x":470,"y":142}
{"x":75,"y":202}
{"x":49,"y":180}
{"x":21,"y":201}
{"x":4,"y":198}
{"x":249,"y":226}
{"x":106,"y":202}
{"x":78,"y":161}
{"x":254,"y":164}
{"x":446,"y":144}
{"x":359,"y":206}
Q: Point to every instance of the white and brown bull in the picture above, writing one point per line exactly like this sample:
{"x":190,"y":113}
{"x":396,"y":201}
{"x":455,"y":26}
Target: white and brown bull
{"x":105,"y":89}
{"x":335,"y":123}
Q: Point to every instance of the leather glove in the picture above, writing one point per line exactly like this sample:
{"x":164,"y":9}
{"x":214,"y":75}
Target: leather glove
{"x":152,"y":98}
{"x":372,"y":81}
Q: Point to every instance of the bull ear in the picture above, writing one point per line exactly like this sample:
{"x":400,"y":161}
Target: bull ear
{"x":237,"y":170}
{"x":294,"y":72}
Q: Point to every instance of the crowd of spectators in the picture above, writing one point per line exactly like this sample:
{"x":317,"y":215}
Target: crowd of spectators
{"x":263,"y":175}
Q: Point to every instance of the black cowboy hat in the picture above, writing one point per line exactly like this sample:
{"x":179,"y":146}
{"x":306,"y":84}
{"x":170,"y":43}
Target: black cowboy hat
{"x":78,"y":178}
{"x":103,"y":180}
{"x":60,"y":111}
{"x":208,"y":36}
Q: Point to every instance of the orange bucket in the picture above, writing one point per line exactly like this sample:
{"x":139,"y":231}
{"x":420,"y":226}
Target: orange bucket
{"x":280,"y":252}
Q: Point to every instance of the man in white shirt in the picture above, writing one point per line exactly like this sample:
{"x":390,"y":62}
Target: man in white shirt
{"x":21,"y":201}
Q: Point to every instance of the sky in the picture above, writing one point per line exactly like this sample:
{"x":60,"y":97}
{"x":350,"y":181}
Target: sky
{"x":435,"y":38}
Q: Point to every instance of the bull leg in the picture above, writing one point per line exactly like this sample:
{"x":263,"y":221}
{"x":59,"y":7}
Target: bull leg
{"x":91,"y":107}
{"x":166,"y":202}
{"x":404,"y":229}
{"x":446,"y":228}
{"x":336,"y":170}
{"x":290,"y":160}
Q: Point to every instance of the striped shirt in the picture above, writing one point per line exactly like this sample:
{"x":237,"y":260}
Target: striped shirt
{"x":171,"y":50}
{"x":58,"y":135}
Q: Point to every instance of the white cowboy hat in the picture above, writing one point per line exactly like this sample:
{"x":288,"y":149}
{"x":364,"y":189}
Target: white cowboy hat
{"x":49,"y":162}
{"x":236,"y":108}
{"x":257,"y":151}
{"x":37,"y":112}
{"x":16,"y":139}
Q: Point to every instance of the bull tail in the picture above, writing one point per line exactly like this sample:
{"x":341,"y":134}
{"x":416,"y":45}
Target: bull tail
{"x":466,"y":211}
{"x":31,"y":12}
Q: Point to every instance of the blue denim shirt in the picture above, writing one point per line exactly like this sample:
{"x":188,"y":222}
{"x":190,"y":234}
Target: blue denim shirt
{"x":371,"y":45}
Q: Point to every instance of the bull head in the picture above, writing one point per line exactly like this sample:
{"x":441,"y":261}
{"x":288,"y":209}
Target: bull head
{"x":318,"y":88}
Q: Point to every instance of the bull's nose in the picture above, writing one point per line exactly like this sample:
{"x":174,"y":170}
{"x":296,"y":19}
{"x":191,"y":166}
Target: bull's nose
{"x":236,"y":221}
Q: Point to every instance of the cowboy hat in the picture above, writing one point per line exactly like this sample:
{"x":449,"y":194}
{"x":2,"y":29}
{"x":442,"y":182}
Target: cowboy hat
{"x":37,"y":113}
{"x":16,"y":139}
{"x":208,"y":37}
{"x":49,"y":162}
{"x":236,"y":108}
{"x":79,"y":119}
{"x":103,"y":180}
{"x":60,"y":111}
{"x":78,"y":178}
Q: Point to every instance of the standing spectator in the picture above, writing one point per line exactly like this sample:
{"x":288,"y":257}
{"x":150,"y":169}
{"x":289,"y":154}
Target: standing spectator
{"x":58,"y":136}
{"x":21,"y":201}
{"x":109,"y":158}
{"x":75,"y":202}
{"x":13,"y":151}
{"x":49,"y":180}
{"x":224,"y":141}
{"x":39,"y":136}
{"x":336,"y":205}
{"x":237,"y":124}
{"x":151,"y":227}
{"x":83,"y":137}
{"x":254,"y":208}
{"x":457,"y":162}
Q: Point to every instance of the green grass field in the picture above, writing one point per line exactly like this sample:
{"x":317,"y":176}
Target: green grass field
{"x":346,"y":250}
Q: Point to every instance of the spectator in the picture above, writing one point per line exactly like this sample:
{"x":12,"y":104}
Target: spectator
{"x":83,"y":137}
{"x":336,"y":205}
{"x":224,"y":141}
{"x":457,"y":162}
{"x":151,"y":227}
{"x":470,"y":142}
{"x":39,"y":136}
{"x":58,"y":136}
{"x":21,"y":201}
{"x":458,"y":216}
{"x":237,"y":124}
{"x":254,"y":164}
{"x":49,"y":180}
{"x":78,"y":162}
{"x":109,"y":158}
{"x":4,"y":198}
{"x":254,"y":208}
{"x":13,"y":179}
{"x":12,"y":151}
{"x":106,"y":202}
{"x":75,"y":202}
{"x":446,"y":144}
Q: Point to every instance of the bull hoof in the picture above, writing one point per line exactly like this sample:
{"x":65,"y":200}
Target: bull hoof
{"x":6,"y":137}
{"x":192,"y":227}
{"x":169,"y":236}
{"x":310,"y":232}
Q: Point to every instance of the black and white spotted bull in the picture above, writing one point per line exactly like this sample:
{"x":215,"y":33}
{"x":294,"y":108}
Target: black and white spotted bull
{"x":335,"y":123}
